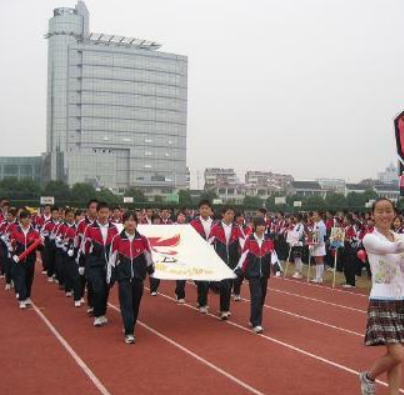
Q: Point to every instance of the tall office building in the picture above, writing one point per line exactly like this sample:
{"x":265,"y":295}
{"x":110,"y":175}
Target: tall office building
{"x":116,"y":109}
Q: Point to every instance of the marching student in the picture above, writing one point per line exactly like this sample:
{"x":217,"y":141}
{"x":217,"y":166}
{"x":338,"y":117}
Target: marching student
{"x":398,"y":225}
{"x":70,"y":267}
{"x":116,"y":218}
{"x":318,"y":251}
{"x":180,"y":284}
{"x":130,"y":260}
{"x":227,"y":240}
{"x":48,"y":232}
{"x":155,"y":282}
{"x":98,"y":238}
{"x":203,"y":225}
{"x":81,"y":253}
{"x":386,"y":306}
{"x":6,"y":228}
{"x":165,"y":217}
{"x":245,"y":233}
{"x":255,"y":265}
{"x":22,"y":237}
{"x":148,"y":218}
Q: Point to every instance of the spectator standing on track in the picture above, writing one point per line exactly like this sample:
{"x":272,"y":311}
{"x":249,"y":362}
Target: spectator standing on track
{"x":385,"y":325}
{"x":255,"y":265}
{"x":318,"y":250}
{"x":6,"y":228}
{"x":129,"y":262}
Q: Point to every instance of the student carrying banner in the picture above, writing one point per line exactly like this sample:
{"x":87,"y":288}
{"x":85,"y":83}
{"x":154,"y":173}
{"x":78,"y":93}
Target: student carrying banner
{"x":227,"y":240}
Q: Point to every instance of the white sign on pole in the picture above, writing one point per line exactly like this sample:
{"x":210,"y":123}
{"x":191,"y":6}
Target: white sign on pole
{"x":46,"y":200}
{"x":128,"y":199}
{"x":280,"y":200}
{"x":297,"y":203}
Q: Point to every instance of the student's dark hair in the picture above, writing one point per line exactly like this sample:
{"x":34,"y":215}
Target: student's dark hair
{"x":205,"y":202}
{"x":55,"y":208}
{"x":262,"y":211}
{"x":155,"y":216}
{"x":13,"y":211}
{"x":24,"y":214}
{"x":382,"y":199}
{"x":298,"y":217}
{"x":239,"y":214}
{"x":320,"y":213}
{"x":258,"y":221}
{"x":128,"y":215}
{"x":48,"y":205}
{"x":102,"y":205}
{"x":350,"y":219}
{"x":69,"y":211}
{"x":115,"y":208}
{"x":77,"y":213}
{"x":91,"y":201}
{"x":227,"y":208}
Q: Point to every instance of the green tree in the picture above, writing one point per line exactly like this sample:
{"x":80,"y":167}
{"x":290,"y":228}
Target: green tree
{"x":356,"y":200}
{"x":335,"y":201}
{"x":253,"y":201}
{"x":185,"y":198}
{"x":82,"y":192}
{"x":315,"y":202}
{"x":58,"y":189}
{"x":136,"y":193}
{"x":208,"y":195}
{"x":158,"y":199}
{"x":107,"y":196}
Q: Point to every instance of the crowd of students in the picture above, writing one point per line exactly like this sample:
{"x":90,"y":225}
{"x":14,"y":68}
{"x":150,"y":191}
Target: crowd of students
{"x":84,"y":253}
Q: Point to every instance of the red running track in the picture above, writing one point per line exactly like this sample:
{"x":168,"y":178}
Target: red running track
{"x":312,"y":345}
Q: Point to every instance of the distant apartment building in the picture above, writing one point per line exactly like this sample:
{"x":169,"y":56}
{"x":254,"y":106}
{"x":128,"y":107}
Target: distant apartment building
{"x":214,"y":176}
{"x":268,"y":179}
{"x":389,"y":175}
{"x":336,"y":185}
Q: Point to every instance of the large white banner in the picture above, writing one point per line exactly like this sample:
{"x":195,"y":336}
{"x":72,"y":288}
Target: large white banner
{"x":180,"y":253}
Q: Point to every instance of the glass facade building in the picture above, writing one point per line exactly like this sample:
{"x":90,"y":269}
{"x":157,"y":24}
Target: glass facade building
{"x":116,"y":108}
{"x":23,"y":167}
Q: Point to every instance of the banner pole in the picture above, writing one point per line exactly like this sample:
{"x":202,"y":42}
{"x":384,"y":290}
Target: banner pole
{"x":335,"y":267}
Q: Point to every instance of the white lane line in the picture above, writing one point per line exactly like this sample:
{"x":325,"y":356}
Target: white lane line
{"x":328,"y":288}
{"x":196,"y":356}
{"x":318,"y":300}
{"x":305,"y":318}
{"x":284,"y":344}
{"x":84,"y":367}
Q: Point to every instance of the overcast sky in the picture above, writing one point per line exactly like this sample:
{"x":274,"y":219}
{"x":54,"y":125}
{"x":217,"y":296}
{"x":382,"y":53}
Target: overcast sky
{"x":306,"y":87}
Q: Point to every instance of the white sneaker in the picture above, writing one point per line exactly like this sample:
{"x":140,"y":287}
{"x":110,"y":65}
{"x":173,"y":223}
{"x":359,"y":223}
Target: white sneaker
{"x":28,"y":301}
{"x":203,"y":310}
{"x":129,"y":339}
{"x":104,"y":320}
{"x":17,"y":296}
{"x":368,"y":387}
{"x":348,"y":286}
{"x":23,"y":305}
{"x":77,"y":303}
{"x":69,"y":294}
{"x":258,"y":329}
{"x":237,"y":298}
{"x":224,"y":315}
{"x":44,"y":272}
{"x":50,"y":279}
{"x":82,"y":301}
{"x":7,"y":287}
{"x":317,"y":281}
{"x":56,"y":281}
{"x":278,"y":274}
{"x":90,"y":310}
{"x":181,"y":301}
{"x":297,"y":275}
{"x":2,"y":276}
{"x":153,"y":293}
